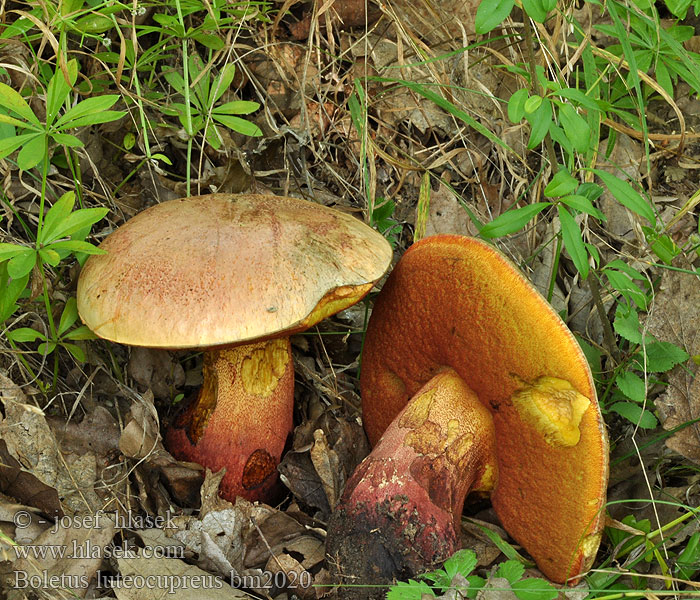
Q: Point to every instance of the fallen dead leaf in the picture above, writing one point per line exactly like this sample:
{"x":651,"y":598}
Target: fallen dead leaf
{"x":157,"y":370}
{"x":155,"y":579}
{"x":33,"y":460}
{"x":446,"y":214}
{"x":675,"y":317}
{"x":77,"y":555}
{"x":319,"y":464}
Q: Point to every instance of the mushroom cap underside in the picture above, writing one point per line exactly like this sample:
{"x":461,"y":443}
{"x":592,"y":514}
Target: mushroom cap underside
{"x":456,"y":302}
{"x":227,"y":269}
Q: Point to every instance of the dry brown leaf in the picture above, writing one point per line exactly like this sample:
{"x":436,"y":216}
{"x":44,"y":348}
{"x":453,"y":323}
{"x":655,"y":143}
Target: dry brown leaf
{"x":447,"y":215}
{"x":30,"y":448}
{"x":75,"y":562}
{"x":311,"y":478}
{"x":219,"y":535}
{"x":157,"y":370}
{"x":326,"y":463}
{"x":675,"y":317}
{"x":97,"y":432}
{"x":172,"y":579}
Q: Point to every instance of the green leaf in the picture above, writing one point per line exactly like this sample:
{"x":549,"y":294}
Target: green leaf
{"x":237,"y":107}
{"x":516,"y":103}
{"x":663,"y":356}
{"x":94,"y":24}
{"x":508,"y":550}
{"x":106,"y":116}
{"x":636,"y":414}
{"x":59,"y":89}
{"x":462,"y":562}
{"x":49,"y":256}
{"x":55,"y":216}
{"x":575,"y":127}
{"x":7,"y":251}
{"x":664,"y":78}
{"x":621,"y":265}
{"x":632,"y":386}
{"x":162,"y":157}
{"x":626,"y":195}
{"x":238,"y":124}
{"x":87,"y":107}
{"x":561,"y":184}
{"x":627,"y":324}
{"x":540,"y":122}
{"x":559,"y":137}
{"x":629,"y":290}
{"x":7,"y":119}
{"x":80,"y":333}
{"x":77,"y":352}
{"x":512,"y":220}
{"x":9,"y":145}
{"x":688,"y":561}
{"x":582,"y":204}
{"x":491,"y":13}
{"x":534,"y":588}
{"x":223,"y":81}
{"x":23,"y":335}
{"x":32,"y":153}
{"x":13,"y":101}
{"x":411,"y":590}
{"x":662,"y":245}
{"x":76,"y":246}
{"x":10,"y":291}
{"x":175,"y":80}
{"x":476,"y":583}
{"x":535,"y":10}
{"x":213,"y":42}
{"x":22,"y":264}
{"x":46,"y":348}
{"x":66,"y":139}
{"x":579,"y":97}
{"x":78,"y":219}
{"x":573,"y":242}
{"x":68,"y":317}
{"x":512,"y":570}
{"x":532,"y":104}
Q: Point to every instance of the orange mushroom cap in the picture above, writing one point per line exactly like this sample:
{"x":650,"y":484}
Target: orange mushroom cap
{"x":456,"y":302}
{"x":231,"y":274}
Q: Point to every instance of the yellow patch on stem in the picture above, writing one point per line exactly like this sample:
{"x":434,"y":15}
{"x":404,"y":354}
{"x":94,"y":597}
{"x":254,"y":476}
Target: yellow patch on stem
{"x":417,"y":411}
{"x":262,"y":369}
{"x":554,"y":408}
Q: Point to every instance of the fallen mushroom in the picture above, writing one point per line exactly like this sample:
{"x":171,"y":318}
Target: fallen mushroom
{"x":235,"y":275}
{"x":470,"y":381}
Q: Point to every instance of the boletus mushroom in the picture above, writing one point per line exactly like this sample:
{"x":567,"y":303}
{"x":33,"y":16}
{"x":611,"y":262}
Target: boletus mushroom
{"x":470,"y":382}
{"x":234,"y":275}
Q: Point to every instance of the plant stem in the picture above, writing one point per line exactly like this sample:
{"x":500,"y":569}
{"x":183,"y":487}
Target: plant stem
{"x":188,"y":108}
{"x":608,"y":333}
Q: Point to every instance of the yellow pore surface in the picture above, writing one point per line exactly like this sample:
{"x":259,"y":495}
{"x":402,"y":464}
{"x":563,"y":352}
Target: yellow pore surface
{"x":554,"y":408}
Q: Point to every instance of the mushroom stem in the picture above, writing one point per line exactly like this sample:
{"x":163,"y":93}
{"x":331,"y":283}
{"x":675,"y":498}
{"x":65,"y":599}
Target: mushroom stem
{"x":400,"y":512}
{"x":241,"y":417}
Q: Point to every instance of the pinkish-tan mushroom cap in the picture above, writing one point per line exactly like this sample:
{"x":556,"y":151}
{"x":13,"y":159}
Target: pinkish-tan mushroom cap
{"x":227,"y":269}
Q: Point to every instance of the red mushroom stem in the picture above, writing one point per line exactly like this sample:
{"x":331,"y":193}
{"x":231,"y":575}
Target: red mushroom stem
{"x":401,"y":509}
{"x":241,"y":417}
